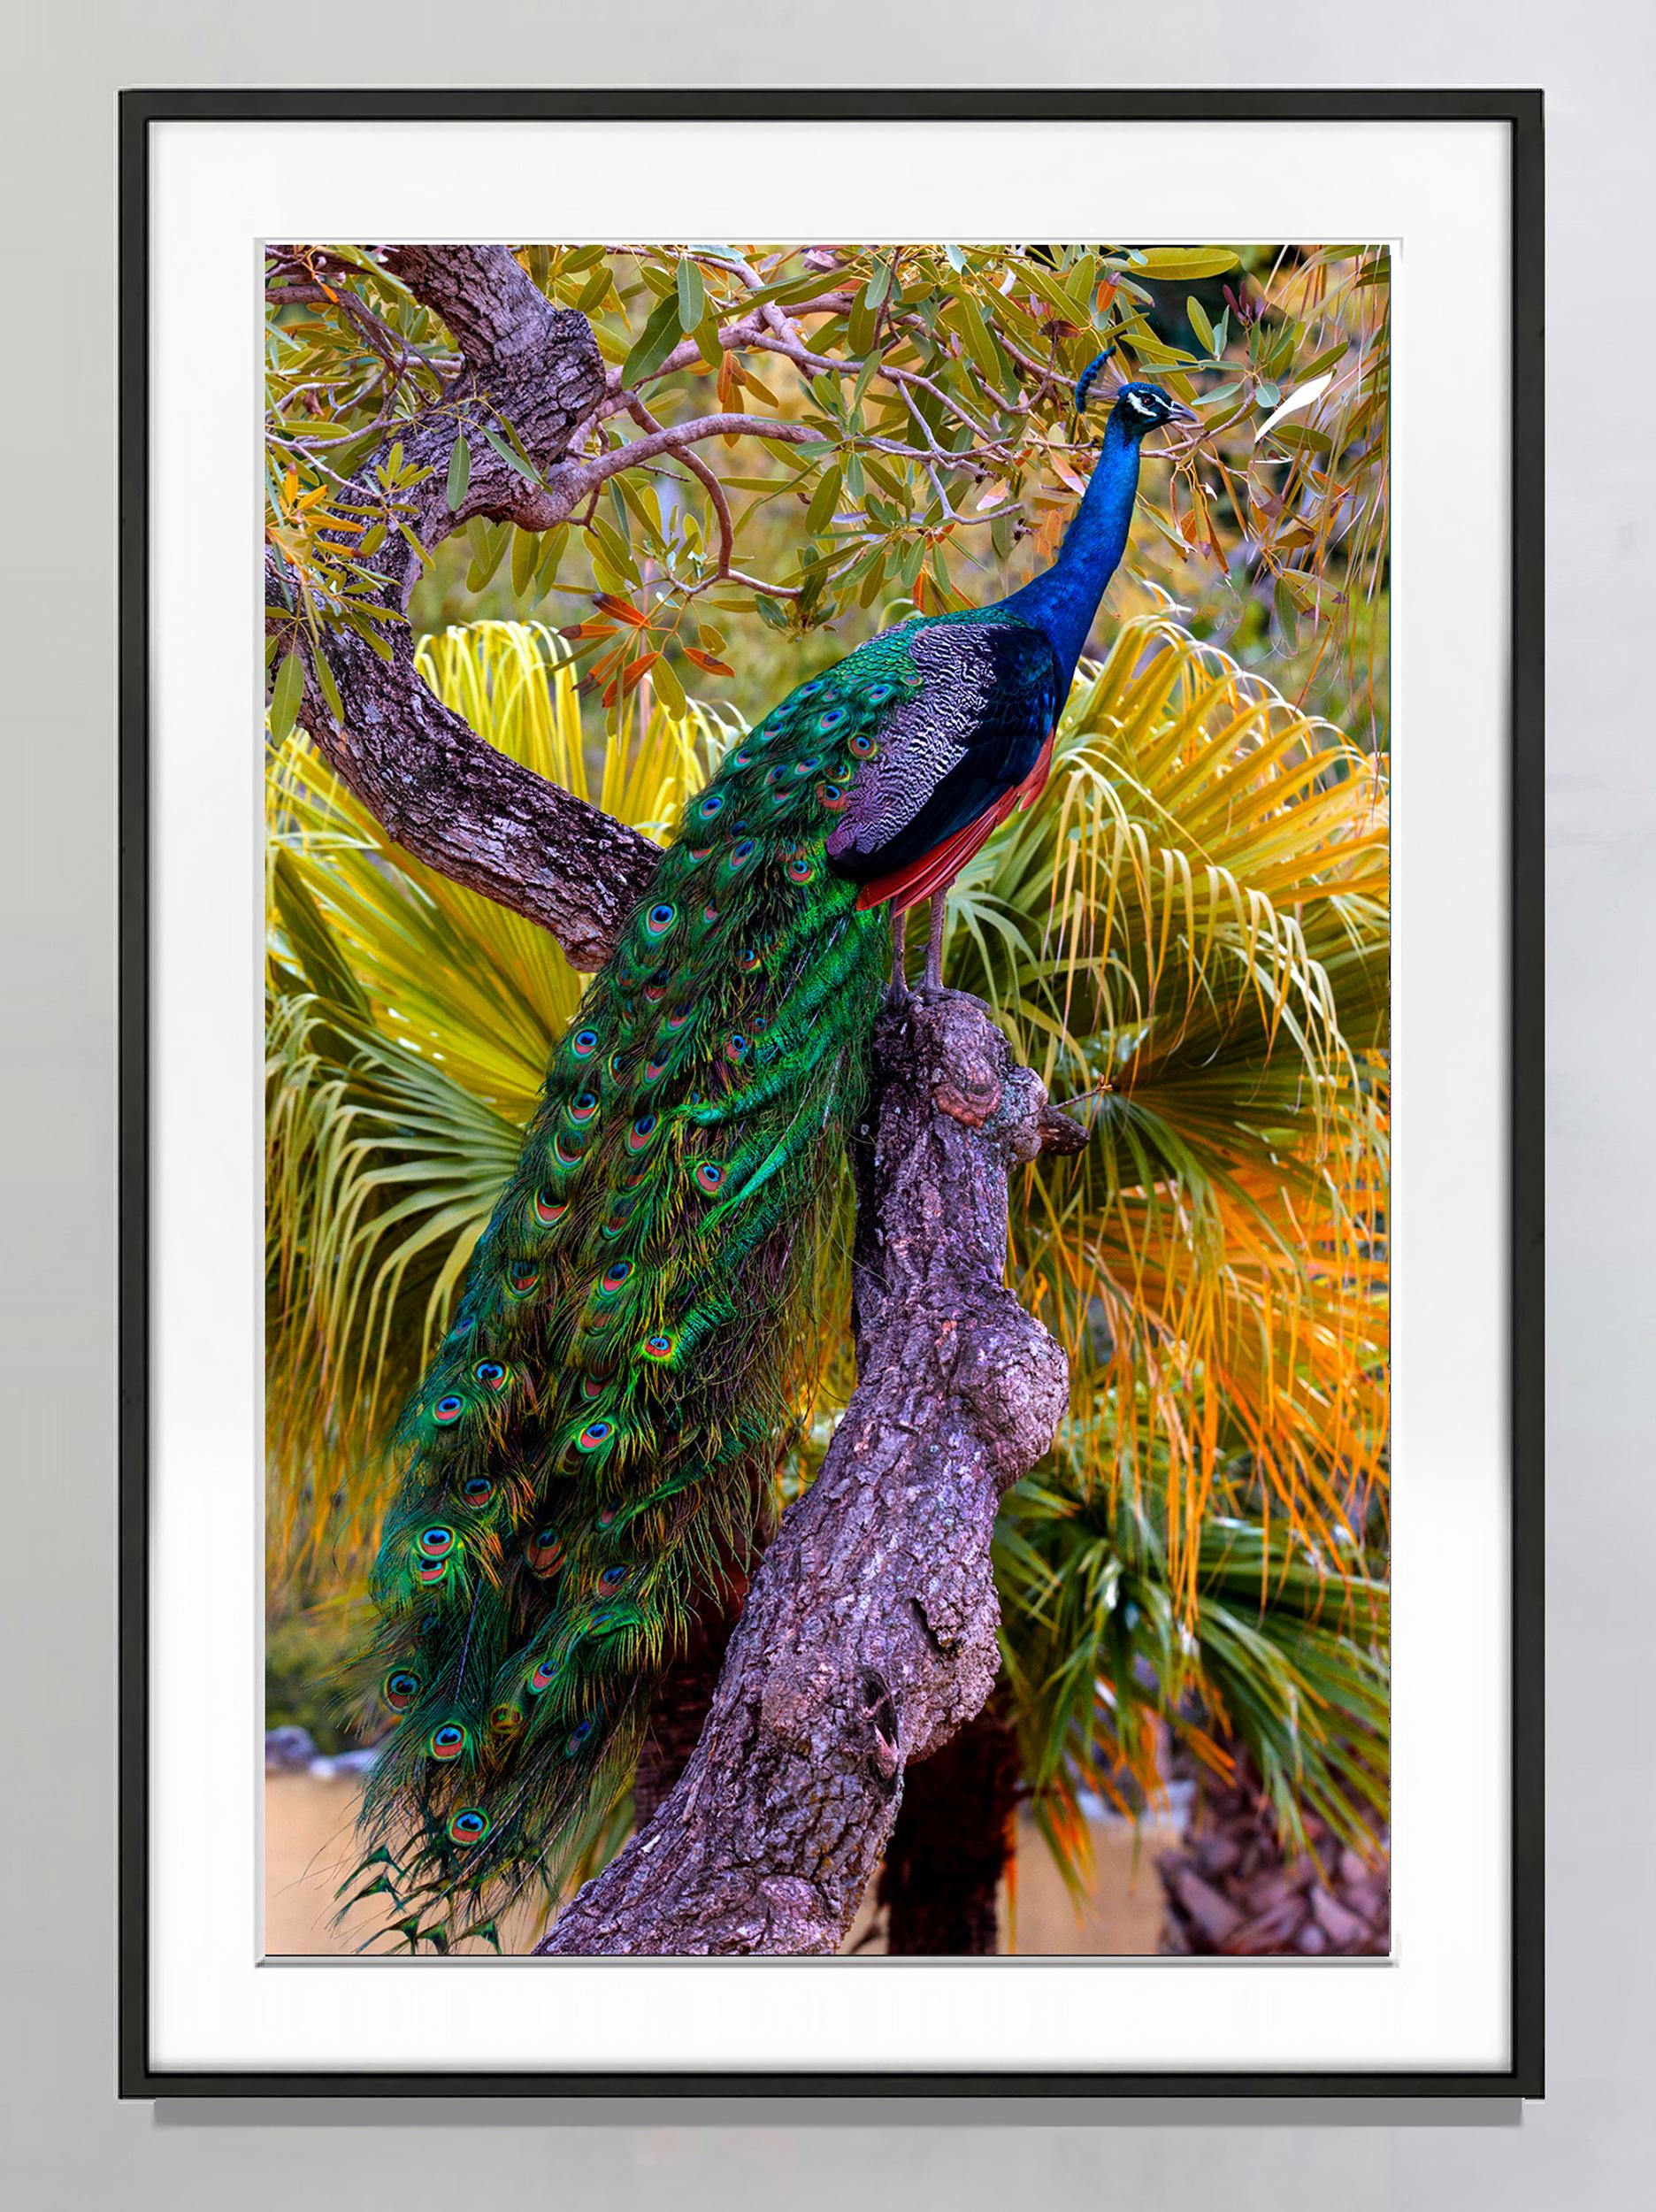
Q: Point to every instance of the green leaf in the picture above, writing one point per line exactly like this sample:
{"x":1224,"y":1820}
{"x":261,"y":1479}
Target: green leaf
{"x":525,"y":558}
{"x":660,"y":334}
{"x":594,"y":293}
{"x":514,"y":461}
{"x":551,"y":556}
{"x":1081,"y":283}
{"x":978,"y":343}
{"x":824,"y":499}
{"x":802,"y":288}
{"x":488,"y":541}
{"x":459,"y":473}
{"x":669,"y":690}
{"x":863,"y":323}
{"x":1162,"y":264}
{"x":692,"y":296}
{"x":1200,"y":325}
{"x":707,"y":338}
{"x":616,"y":551}
{"x":286,"y":694}
{"x":330,"y":689}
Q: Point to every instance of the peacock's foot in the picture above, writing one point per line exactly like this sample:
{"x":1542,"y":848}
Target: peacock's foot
{"x":932,"y":994}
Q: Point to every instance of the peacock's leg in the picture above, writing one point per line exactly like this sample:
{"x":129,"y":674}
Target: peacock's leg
{"x":899,"y":964}
{"x":934,"y":943}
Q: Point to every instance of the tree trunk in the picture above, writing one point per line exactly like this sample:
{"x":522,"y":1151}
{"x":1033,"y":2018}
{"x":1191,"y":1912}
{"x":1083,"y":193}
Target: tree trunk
{"x":1231,"y":1890}
{"x":940,"y":1887}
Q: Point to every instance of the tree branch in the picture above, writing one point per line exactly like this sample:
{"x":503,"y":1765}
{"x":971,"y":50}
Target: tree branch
{"x":447,"y":797}
{"x":869,"y":1634}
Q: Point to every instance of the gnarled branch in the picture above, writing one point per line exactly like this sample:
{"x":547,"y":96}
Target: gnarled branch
{"x":449,"y":798}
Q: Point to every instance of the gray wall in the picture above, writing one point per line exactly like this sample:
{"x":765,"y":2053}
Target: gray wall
{"x":74,"y":2145}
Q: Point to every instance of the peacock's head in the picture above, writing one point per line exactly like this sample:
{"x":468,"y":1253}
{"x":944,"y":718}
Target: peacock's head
{"x":1138,"y":408}
{"x":1142,"y":407}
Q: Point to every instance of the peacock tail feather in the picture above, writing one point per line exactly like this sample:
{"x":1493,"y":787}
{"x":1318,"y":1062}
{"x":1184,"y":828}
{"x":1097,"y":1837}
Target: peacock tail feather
{"x":595,"y":1438}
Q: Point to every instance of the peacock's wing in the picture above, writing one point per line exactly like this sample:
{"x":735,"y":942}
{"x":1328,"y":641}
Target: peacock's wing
{"x":953,"y":747}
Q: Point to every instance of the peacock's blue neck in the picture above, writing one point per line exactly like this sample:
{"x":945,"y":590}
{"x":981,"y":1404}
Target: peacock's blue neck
{"x":1062,"y":602}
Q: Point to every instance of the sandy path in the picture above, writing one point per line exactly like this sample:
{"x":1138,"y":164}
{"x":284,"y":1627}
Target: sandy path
{"x":307,"y":1847}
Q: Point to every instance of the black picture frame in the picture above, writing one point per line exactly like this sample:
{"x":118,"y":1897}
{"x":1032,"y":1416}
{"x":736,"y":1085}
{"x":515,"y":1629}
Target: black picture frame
{"x":1521,"y":111}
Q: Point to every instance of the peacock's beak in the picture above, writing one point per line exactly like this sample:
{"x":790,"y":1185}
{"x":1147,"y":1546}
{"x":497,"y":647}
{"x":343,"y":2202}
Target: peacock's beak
{"x":1178,"y":412}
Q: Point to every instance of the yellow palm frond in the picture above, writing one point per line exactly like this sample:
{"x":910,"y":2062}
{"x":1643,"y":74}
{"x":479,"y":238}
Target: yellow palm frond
{"x":1188,"y":934}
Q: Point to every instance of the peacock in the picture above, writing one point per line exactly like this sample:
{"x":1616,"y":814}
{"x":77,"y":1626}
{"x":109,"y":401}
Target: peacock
{"x":593,"y":1441}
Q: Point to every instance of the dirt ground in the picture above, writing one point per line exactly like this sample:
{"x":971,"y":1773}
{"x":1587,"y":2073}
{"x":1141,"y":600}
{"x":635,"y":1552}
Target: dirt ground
{"x":307,"y":1844}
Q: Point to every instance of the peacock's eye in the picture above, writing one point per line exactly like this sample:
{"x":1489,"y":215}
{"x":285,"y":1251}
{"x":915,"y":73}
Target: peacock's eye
{"x":615,"y":1276}
{"x":436,"y":1543}
{"x":469,"y":1825}
{"x":660,"y":919}
{"x":478,"y":1491}
{"x":449,"y":1742}
{"x":544,"y":1553}
{"x":710,"y":1175}
{"x":490,"y":1373}
{"x":449,"y":1408}
{"x":584,"y":1043}
{"x":711,"y":804}
{"x":861,"y":745}
{"x":544,"y":1676}
{"x":400,"y":1689}
{"x":578,"y":1736}
{"x":658,"y":1347}
{"x":594,"y":1434}
{"x":612,"y":1578}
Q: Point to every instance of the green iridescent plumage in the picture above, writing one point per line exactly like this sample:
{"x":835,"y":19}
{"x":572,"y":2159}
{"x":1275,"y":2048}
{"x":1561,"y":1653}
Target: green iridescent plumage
{"x":596,"y":1436}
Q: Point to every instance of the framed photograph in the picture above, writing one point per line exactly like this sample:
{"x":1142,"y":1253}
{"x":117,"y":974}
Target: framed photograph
{"x":830,"y":1222}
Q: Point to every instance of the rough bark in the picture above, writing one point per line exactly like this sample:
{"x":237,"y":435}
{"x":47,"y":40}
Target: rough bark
{"x":867,"y":1637}
{"x":940,"y":1887}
